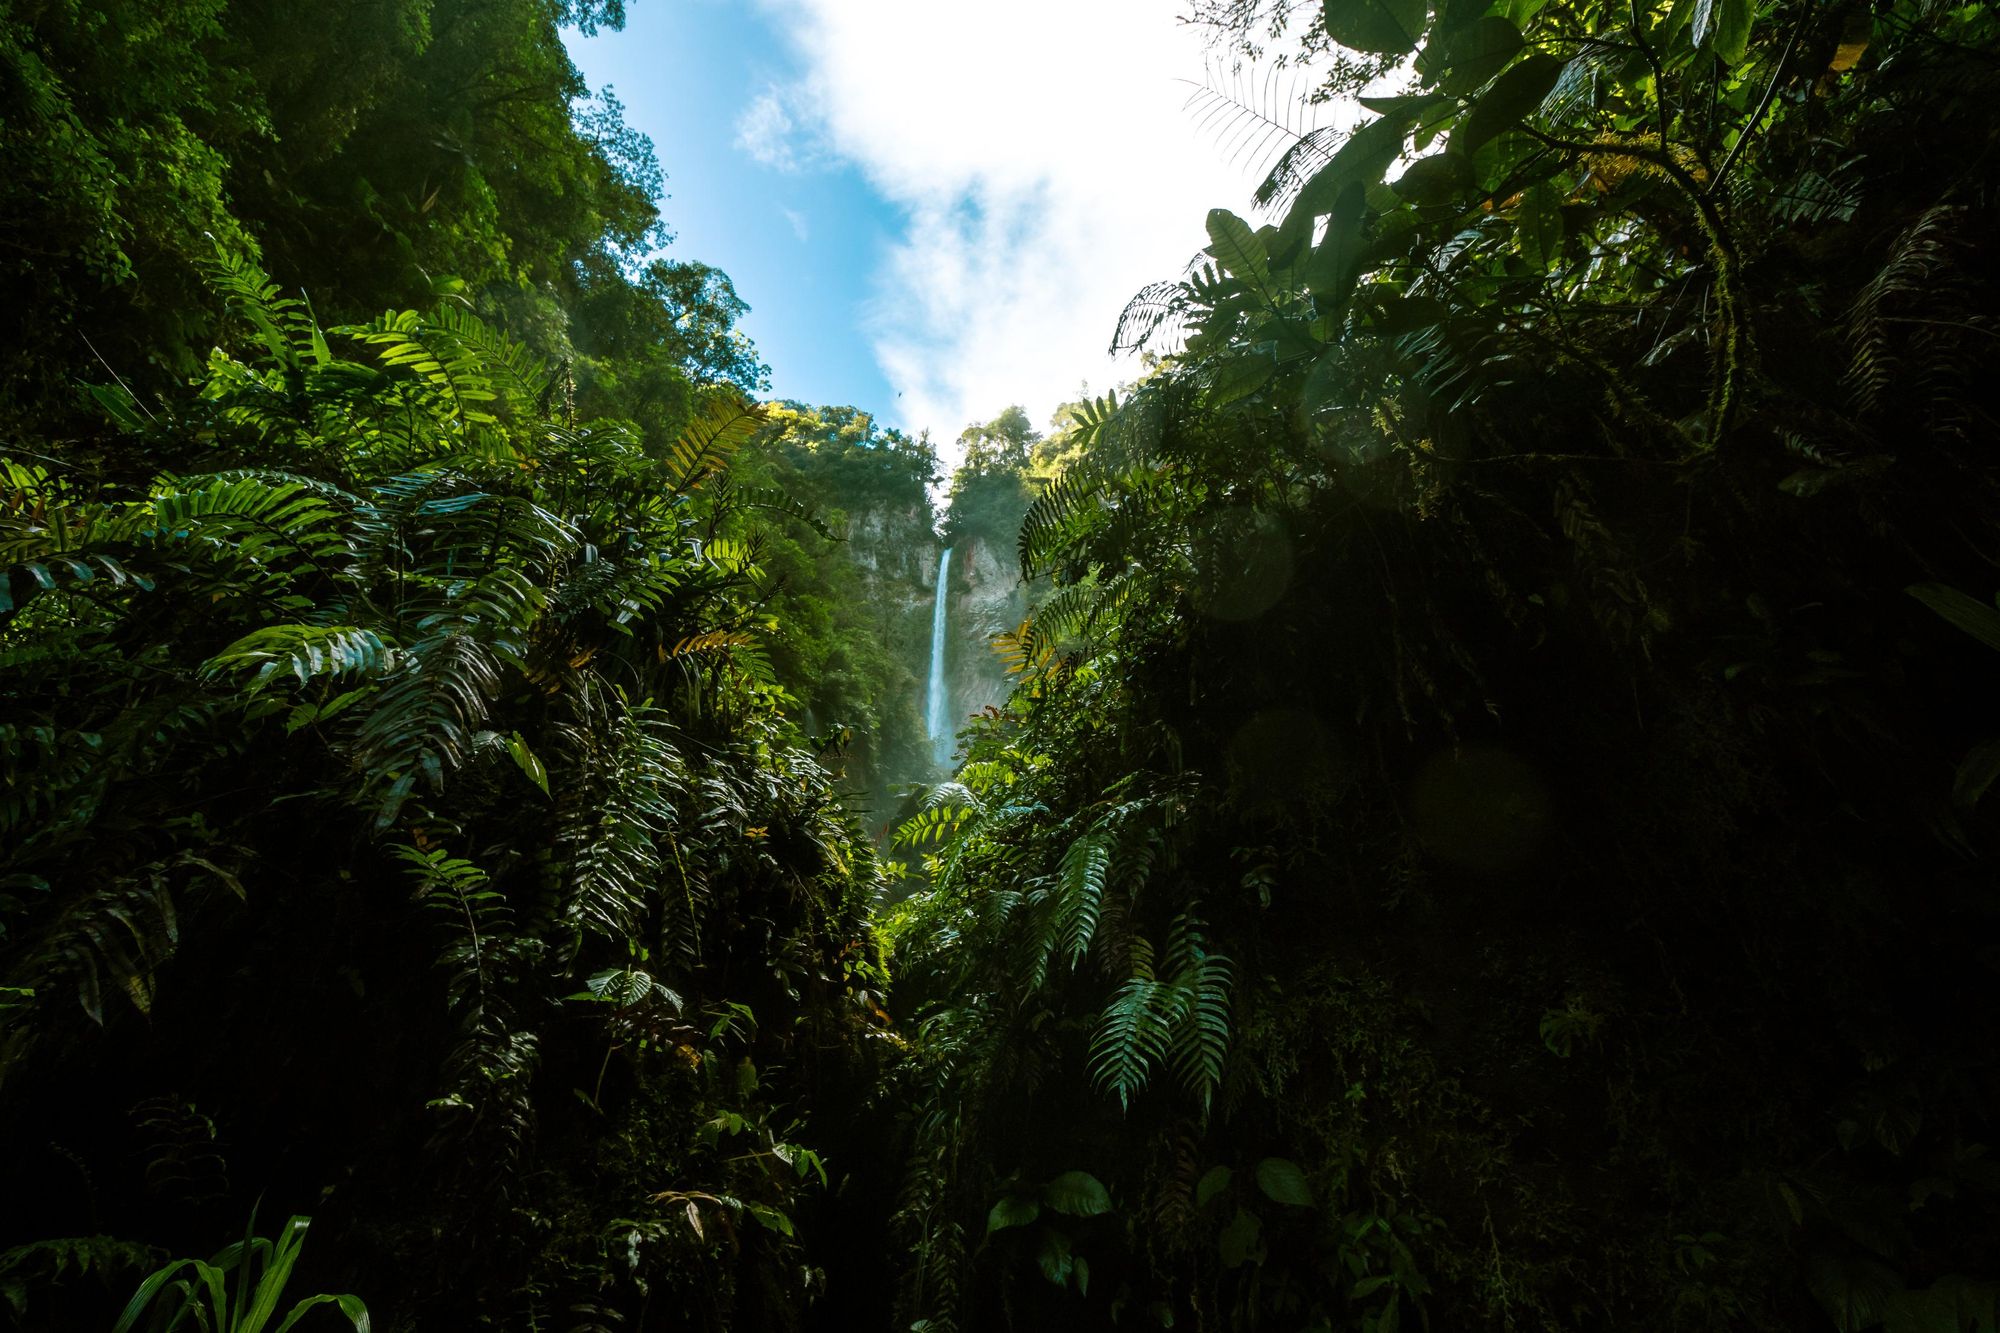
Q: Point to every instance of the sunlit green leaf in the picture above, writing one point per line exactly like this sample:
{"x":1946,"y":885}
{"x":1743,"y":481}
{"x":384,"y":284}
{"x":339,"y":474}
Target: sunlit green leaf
{"x":1723,"y":26}
{"x":1512,"y":97}
{"x":1380,"y":27}
{"x":1538,"y":224}
{"x":1436,"y":179}
{"x":1476,"y":53}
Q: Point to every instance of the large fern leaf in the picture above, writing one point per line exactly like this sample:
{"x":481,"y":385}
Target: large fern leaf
{"x":305,"y":652}
{"x":1081,"y":881}
{"x":725,"y":423}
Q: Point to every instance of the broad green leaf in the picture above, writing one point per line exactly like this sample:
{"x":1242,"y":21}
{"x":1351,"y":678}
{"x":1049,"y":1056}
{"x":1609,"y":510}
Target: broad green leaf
{"x":1239,"y":376}
{"x":1235,"y":246}
{"x":1436,"y":179}
{"x":1239,"y":1241}
{"x":1379,"y":27}
{"x":771,"y":1219}
{"x":1538,"y":224}
{"x":271,"y":1287}
{"x":1724,"y":27}
{"x":1325,"y":383}
{"x":1409,"y":106}
{"x":1012,"y":1211}
{"x":1213,"y":1182}
{"x":118,"y":404}
{"x":1504,"y":105}
{"x":1855,"y":1291}
{"x":525,"y":760}
{"x":1363,"y":159}
{"x":351,"y":1306}
{"x":1283,"y":1182}
{"x":1077,"y":1193}
{"x":1055,"y":1258}
{"x":1976,"y":773}
{"x":1454,"y":16}
{"x":1337,"y":262}
{"x":1476,"y":54}
{"x":1976,"y":618}
{"x":148,"y":1289}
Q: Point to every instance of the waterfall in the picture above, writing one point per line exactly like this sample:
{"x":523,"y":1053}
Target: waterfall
{"x":934,"y":712}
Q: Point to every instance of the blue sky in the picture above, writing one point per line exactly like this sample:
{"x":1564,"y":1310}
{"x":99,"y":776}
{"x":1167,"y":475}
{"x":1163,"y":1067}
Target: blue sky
{"x":799,"y":245}
{"x":934,"y":208}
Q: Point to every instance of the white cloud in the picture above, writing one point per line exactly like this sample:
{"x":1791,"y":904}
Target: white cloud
{"x":1046,"y":163}
{"x":769,"y":131}
{"x":801,"y":225}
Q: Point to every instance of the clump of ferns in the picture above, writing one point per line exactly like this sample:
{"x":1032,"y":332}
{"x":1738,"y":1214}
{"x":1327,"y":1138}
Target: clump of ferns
{"x":1919,"y":328}
{"x":111,"y":941}
{"x":956,"y":1049}
{"x":617,"y":823}
{"x":491,"y":1062}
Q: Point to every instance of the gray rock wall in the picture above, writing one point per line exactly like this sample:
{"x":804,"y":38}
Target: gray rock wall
{"x":987,"y":598}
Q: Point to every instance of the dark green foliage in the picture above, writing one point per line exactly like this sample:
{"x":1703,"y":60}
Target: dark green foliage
{"x":240,"y":1290}
{"x":1475,"y":842}
{"x":369,"y":156}
{"x":424,"y":812}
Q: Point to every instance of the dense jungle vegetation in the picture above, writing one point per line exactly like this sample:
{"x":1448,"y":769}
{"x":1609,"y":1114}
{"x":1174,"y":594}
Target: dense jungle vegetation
{"x":1492,"y":828}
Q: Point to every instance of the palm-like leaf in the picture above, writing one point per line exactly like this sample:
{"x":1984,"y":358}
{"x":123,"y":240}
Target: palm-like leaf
{"x":725,"y":423}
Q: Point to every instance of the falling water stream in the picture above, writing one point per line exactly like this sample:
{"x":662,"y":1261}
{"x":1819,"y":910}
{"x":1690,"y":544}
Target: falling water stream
{"x":934,"y":703}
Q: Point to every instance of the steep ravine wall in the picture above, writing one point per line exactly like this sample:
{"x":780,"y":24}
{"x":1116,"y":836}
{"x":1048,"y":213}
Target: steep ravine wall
{"x":894,"y":552}
{"x":986,"y":597}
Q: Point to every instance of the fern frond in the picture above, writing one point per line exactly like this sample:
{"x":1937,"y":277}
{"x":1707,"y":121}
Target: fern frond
{"x":939,"y":824}
{"x":1299,"y":163}
{"x":630,"y":775}
{"x":1077,"y":611}
{"x":114,"y":938}
{"x":1053,"y":514}
{"x":1131,"y":1038}
{"x":284,"y":324}
{"x":1161,"y":310}
{"x":1919,"y":255}
{"x":725,"y":423}
{"x":731,"y":555}
{"x":1019,"y":651}
{"x":776,"y":500}
{"x":423,"y":719}
{"x":1203,"y":980}
{"x":259,"y":517}
{"x":304,"y":652}
{"x":1248,"y":119}
{"x":711,"y":641}
{"x":1085,"y":867}
{"x":452,"y":375}
{"x":952,"y":793}
{"x":523,"y":378}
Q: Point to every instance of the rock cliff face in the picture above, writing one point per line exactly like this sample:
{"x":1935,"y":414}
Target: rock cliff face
{"x":985,"y":598}
{"x":895,"y":551}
